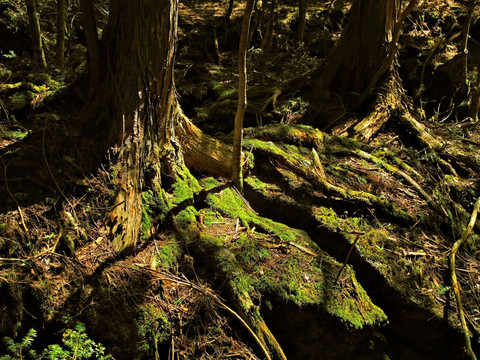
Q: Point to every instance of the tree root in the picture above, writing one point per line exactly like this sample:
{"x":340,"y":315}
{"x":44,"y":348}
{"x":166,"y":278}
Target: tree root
{"x":224,"y":262}
{"x":312,"y":172}
{"x":455,"y":285}
{"x":202,"y":152}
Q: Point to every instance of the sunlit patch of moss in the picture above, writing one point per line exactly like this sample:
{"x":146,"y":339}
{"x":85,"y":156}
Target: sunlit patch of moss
{"x":230,"y":204}
{"x":185,"y":186}
{"x":352,"y":304}
{"x":209,"y":183}
{"x":327,"y":217}
{"x":13,"y":135}
{"x":168,"y":254}
{"x":266,"y":260}
{"x":261,"y":187}
{"x":146,"y":224}
{"x":211,"y":218}
{"x":155,"y":204}
{"x":186,"y":224}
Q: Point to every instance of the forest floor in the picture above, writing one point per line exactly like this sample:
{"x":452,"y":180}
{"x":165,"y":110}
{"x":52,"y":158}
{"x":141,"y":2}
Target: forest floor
{"x":337,"y":249}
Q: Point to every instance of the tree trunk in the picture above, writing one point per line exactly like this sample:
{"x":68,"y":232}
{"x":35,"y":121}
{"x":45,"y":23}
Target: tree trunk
{"x":351,"y":65}
{"x":228,"y":13}
{"x":90,"y":30}
{"x":60,"y":33}
{"x":140,"y":120}
{"x":35,"y":33}
{"x":242,"y":97}
{"x":302,"y":20}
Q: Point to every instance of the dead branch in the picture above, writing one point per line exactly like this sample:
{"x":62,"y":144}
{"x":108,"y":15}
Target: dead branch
{"x":456,"y":288}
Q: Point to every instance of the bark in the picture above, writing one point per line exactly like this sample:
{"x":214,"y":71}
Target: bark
{"x":60,"y":33}
{"x":35,"y":33}
{"x":139,"y":93}
{"x":242,"y":97}
{"x":266,"y":43}
{"x":139,"y":118}
{"x":90,"y":30}
{"x":350,"y":67}
{"x":302,"y":19}
{"x":228,"y":13}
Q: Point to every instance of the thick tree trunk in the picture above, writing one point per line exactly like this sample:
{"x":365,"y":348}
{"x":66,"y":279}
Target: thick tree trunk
{"x":35,"y":33}
{"x":60,"y":49}
{"x":141,"y":121}
{"x":139,"y":93}
{"x":351,"y":65}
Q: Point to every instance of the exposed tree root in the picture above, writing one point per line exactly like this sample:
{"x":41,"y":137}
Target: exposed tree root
{"x":316,"y":176}
{"x":224,"y":262}
{"x":202,"y":152}
{"x":455,"y":285}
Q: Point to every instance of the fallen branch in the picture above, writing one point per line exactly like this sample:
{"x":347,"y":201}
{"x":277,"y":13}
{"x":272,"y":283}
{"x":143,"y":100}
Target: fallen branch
{"x":456,"y":288}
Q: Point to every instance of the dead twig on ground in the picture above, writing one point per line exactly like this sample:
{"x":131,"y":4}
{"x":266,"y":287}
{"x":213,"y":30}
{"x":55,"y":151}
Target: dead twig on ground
{"x":455,"y":286}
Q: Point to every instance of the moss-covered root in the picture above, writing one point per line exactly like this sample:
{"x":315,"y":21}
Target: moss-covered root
{"x":238,"y":283}
{"x":312,"y":172}
{"x":291,"y":134}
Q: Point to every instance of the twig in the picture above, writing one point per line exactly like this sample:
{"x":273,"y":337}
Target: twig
{"x":14,"y":199}
{"x":346,"y":259}
{"x":456,"y":287}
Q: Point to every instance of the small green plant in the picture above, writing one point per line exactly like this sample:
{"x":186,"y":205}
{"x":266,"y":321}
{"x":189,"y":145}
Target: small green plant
{"x":20,"y":349}
{"x":10,"y":55}
{"x":76,"y":345}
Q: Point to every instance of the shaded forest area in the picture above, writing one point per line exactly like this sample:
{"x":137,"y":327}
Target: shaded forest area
{"x":354,"y":235}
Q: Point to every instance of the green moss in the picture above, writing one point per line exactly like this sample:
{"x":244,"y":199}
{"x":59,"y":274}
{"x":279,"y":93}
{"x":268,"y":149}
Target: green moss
{"x":328,"y":217}
{"x":261,"y":187}
{"x":12,"y":135}
{"x":21,"y":100}
{"x":209,"y":183}
{"x":185,"y":186}
{"x":230,"y":204}
{"x":353,"y":306}
{"x":168,"y":255}
{"x":153,"y":327}
{"x":266,"y":260}
{"x":5,"y":73}
{"x":146,"y":224}
{"x":211,"y":218}
{"x":186,"y":224}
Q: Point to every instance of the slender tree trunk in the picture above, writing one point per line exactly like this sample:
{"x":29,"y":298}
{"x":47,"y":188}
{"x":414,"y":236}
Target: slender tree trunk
{"x":267,"y":41}
{"x":242,"y":97}
{"x":60,"y":33}
{"x":35,"y":33}
{"x":228,"y":13}
{"x":302,"y":20}
{"x":90,"y":29}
